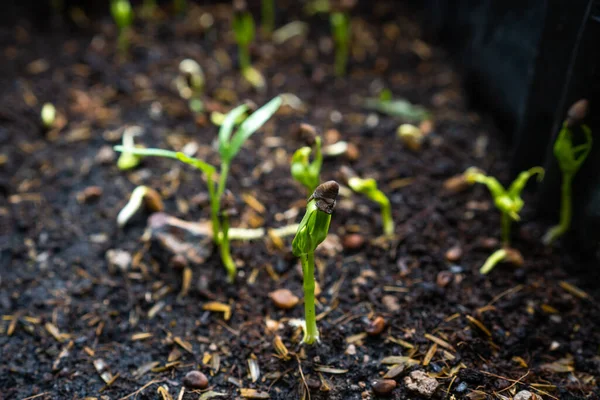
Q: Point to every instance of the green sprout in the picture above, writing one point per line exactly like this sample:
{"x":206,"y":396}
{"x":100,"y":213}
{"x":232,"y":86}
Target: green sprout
{"x":368,"y":187}
{"x":268,"y":15}
{"x":230,"y":144}
{"x":48,"y":115}
{"x":341,"y":30}
{"x":128,"y":160}
{"x":509,"y":202}
{"x":303,"y":170}
{"x":244,"y":30}
{"x":123,"y":15}
{"x":570,"y":158}
{"x":312,"y":231}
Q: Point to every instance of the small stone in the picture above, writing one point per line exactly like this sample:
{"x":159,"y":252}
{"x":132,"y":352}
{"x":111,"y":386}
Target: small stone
{"x":525,"y":395}
{"x":390,"y":302}
{"x":351,"y":350}
{"x":106,"y":155}
{"x":352,"y":152}
{"x":444,"y":278}
{"x":376,"y":326}
{"x":313,"y":384}
{"x":284,"y":299}
{"x":119,"y":259}
{"x":88,"y":194}
{"x":353,"y":241}
{"x":418,"y":381}
{"x":384,"y":387}
{"x":454,"y":254}
{"x":195,"y":380}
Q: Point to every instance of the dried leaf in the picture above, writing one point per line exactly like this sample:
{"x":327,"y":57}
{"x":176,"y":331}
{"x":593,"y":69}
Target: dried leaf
{"x":218,"y":307}
{"x":440,"y":342}
{"x":141,"y":336}
{"x":399,"y":360}
{"x":479,"y":325}
{"x":429,"y":355}
{"x":211,"y":394}
{"x":253,"y":394}
{"x":575,"y":291}
{"x":356,"y":338}
{"x":254,"y":369}
{"x":329,"y":370}
{"x":187,"y":346}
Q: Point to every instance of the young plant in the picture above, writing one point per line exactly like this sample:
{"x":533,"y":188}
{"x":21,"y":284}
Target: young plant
{"x":303,"y":170}
{"x":312,"y":231}
{"x":244,"y":31}
{"x":122,"y":13}
{"x":127,"y":160}
{"x":341,"y":31}
{"x":570,"y":158}
{"x":509,"y":202}
{"x":230,"y":144}
{"x":368,"y":187}
{"x":268,"y":15}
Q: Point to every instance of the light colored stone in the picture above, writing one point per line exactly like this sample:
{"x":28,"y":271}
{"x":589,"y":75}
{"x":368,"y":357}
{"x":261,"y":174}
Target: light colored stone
{"x":420,"y":382}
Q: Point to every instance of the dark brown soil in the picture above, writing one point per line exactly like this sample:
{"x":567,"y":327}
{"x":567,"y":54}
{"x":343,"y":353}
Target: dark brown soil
{"x":63,"y":309}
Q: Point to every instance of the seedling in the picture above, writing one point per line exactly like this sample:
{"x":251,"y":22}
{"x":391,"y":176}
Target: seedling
{"x":570,"y":158}
{"x":399,"y":108}
{"x":341,"y":30}
{"x":141,"y":195}
{"x":230,"y":144}
{"x":312,"y":231}
{"x":368,"y":187}
{"x":268,"y":15}
{"x":48,"y":115}
{"x":303,"y":170}
{"x":509,"y":202}
{"x":123,"y":15}
{"x":128,"y":160}
{"x":244,"y":31}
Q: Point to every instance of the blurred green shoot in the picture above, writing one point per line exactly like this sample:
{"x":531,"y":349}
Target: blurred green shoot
{"x":341,"y":31}
{"x":230,"y":143}
{"x":48,"y":115}
{"x":244,"y":31}
{"x":570,"y":158}
{"x":368,"y":187}
{"x":268,"y":15}
{"x":312,"y":231}
{"x":509,"y":202}
{"x":122,"y":13}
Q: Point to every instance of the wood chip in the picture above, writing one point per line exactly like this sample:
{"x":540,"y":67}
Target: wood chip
{"x":395,"y":371}
{"x":440,"y":342}
{"x":253,"y":394}
{"x":356,"y":338}
{"x":53,"y":330}
{"x":401,"y":342}
{"x":253,"y":203}
{"x":102,"y":369}
{"x":211,"y":394}
{"x":187,"y":346}
{"x":186,"y":281}
{"x":280,"y":348}
{"x":478,"y":324}
{"x":155,"y":309}
{"x":215,"y":306}
{"x":141,"y":336}
{"x":253,"y":368}
{"x":430,"y":353}
{"x":575,"y":291}
{"x":399,"y":360}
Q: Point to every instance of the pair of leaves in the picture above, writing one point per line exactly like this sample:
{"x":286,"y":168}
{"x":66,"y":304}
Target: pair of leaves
{"x":368,"y":187}
{"x":230,"y":143}
{"x":304,"y":171}
{"x":312,"y":231}
{"x":508,"y":201}
{"x":570,"y":158}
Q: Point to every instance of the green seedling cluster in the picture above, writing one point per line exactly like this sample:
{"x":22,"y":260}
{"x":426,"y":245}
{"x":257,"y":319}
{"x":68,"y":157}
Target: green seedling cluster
{"x":312,"y":231}
{"x":230,"y":143}
{"x":509,"y":202}
{"x":341,"y":31}
{"x":122,"y":13}
{"x":368,"y":187}
{"x":570,"y":157}
{"x":303,"y":170}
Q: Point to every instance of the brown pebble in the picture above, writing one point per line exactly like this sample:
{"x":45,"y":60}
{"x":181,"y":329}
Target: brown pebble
{"x":444,"y":278}
{"x":391,"y":303}
{"x":313,"y":384}
{"x":284,"y":299}
{"x":376,"y":326}
{"x":384,"y":387}
{"x":454,"y":254}
{"x":195,"y":380}
{"x":456,"y":184}
{"x":332,"y":136}
{"x":89,"y":193}
{"x":352,"y":152}
{"x":353,"y":241}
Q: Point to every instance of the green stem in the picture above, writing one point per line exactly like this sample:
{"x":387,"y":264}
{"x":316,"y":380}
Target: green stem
{"x":341,"y":59}
{"x":268,"y":15}
{"x":123,"y":41}
{"x":566,"y":210}
{"x":225,"y":251}
{"x":386,"y":218}
{"x":492,"y":261}
{"x":505,"y":229}
{"x":311,"y":333}
{"x":244,"y":56}
{"x":214,"y":209}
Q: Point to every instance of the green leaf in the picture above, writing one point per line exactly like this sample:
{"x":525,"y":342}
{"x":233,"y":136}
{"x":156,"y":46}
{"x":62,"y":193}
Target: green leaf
{"x":243,"y":28}
{"x":252,"y":124}
{"x":177,"y":155}
{"x":227,"y":128}
{"x":399,"y":108}
{"x":312,"y":231}
{"x":515,"y":189}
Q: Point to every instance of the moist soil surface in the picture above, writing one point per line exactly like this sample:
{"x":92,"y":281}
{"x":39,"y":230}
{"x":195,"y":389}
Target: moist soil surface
{"x":75,"y":326}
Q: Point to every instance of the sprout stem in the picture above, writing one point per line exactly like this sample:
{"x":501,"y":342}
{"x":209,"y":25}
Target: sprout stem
{"x":492,"y":261}
{"x":244,"y":56}
{"x":226,"y":259}
{"x":566,"y":211}
{"x":505,"y":222}
{"x":386,"y":218}
{"x":311,"y":333}
{"x":268,"y":15}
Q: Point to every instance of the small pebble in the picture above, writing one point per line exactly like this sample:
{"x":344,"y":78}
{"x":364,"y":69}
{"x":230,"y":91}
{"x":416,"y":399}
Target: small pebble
{"x":195,"y":380}
{"x":384,"y":387}
{"x":418,"y":381}
{"x":106,"y":155}
{"x":284,"y":299}
{"x":376,"y":326}
{"x":120,"y":259}
{"x":525,"y":395}
{"x":352,"y":152}
{"x":461,"y":387}
{"x":88,"y":194}
{"x":353,"y":241}
{"x":444,"y":278}
{"x":313,"y":384}
{"x":390,"y":302}
{"x":454,"y":254}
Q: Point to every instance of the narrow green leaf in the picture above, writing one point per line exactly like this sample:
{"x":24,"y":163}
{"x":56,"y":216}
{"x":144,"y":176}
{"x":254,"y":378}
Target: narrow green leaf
{"x":227,"y":128}
{"x":195,"y":162}
{"x":252,"y":124}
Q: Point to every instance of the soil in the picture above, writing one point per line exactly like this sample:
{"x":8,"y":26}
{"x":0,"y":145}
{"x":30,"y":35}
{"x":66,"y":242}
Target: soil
{"x":70,"y":322}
